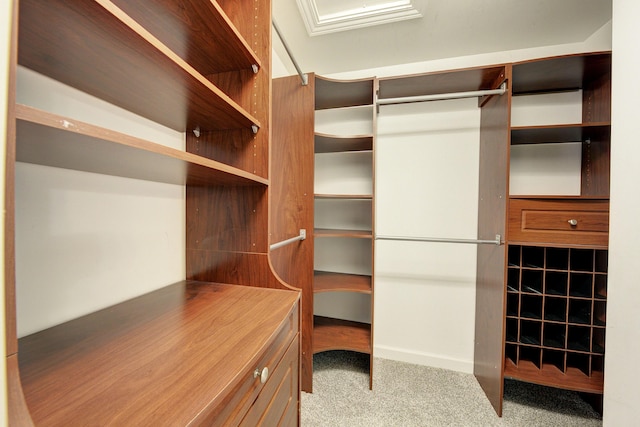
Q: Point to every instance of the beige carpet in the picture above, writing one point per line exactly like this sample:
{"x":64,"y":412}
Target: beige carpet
{"x":411,"y":395}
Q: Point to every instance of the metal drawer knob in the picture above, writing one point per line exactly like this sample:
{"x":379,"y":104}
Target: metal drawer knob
{"x":573,"y":221}
{"x":262,"y":373}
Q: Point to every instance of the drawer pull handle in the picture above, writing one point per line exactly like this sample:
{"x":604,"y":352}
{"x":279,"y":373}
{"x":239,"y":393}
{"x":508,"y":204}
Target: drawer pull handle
{"x":262,"y":373}
{"x":573,"y":221}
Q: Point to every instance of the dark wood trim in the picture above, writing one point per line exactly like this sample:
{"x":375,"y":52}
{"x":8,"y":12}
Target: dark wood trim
{"x":492,"y":214}
{"x":292,"y":200}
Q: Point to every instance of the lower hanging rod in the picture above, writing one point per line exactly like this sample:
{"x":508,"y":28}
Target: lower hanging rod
{"x":442,"y":96}
{"x":496,"y":241}
{"x":301,"y":236}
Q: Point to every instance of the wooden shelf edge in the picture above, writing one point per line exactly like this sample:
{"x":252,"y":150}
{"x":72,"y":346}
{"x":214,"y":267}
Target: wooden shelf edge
{"x":72,"y":144}
{"x":549,"y":375}
{"x":556,"y":197}
{"x":360,"y":234}
{"x":326,"y":281}
{"x":344,"y":196}
{"x":342,"y":137}
{"x":336,"y":334}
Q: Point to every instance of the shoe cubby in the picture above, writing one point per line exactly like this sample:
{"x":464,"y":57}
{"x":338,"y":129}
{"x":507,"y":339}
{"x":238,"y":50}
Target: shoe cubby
{"x":556,"y":316}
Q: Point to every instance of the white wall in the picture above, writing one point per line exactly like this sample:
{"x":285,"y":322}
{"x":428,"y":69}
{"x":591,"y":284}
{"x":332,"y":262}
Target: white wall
{"x":426,"y":186}
{"x":85,"y":241}
{"x":622,"y":371}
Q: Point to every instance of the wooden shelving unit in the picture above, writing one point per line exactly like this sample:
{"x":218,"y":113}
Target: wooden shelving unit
{"x":202,"y":68}
{"x":332,"y":333}
{"x":556,"y":275}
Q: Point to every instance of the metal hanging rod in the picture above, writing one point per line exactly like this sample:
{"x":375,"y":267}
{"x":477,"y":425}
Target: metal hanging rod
{"x":303,"y":77}
{"x":301,"y":236}
{"x":442,"y":96}
{"x":496,"y":241}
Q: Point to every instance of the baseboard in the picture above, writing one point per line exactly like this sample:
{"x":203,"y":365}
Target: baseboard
{"x":425,"y":359}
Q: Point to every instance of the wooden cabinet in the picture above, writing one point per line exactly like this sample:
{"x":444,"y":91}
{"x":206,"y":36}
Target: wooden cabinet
{"x":185,"y":353}
{"x":556,"y":274}
{"x":157,"y":358}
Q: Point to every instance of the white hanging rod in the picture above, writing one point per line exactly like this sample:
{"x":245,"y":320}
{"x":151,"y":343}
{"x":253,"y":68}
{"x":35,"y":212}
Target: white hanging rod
{"x":303,"y":77}
{"x":301,"y":236}
{"x":496,"y":241}
{"x":442,"y":96}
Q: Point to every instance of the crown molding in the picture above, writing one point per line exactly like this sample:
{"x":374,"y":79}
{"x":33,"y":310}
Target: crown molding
{"x":355,"y":16}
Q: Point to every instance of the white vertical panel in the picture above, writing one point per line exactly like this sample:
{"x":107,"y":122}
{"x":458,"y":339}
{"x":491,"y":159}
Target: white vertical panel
{"x":427,"y":161}
{"x":622,"y":375}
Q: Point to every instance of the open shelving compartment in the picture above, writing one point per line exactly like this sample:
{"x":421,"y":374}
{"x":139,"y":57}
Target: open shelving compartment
{"x":344,"y":206}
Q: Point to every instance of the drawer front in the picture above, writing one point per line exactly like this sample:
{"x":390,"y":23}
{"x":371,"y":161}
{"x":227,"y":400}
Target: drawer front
{"x":277,"y":404}
{"x":233,"y":408}
{"x":565,"y":222}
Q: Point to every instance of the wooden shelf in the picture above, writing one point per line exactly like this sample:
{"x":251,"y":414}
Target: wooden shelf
{"x":105,"y":53}
{"x":202,"y":34}
{"x":325,"y":232}
{"x":326,"y":281}
{"x":336,"y":334}
{"x":570,"y":72}
{"x":344,"y":196}
{"x":470,"y":79}
{"x":558,"y":133}
{"x":51,"y":140}
{"x":153,"y":358}
{"x":332,"y":93}
{"x":325,"y":143}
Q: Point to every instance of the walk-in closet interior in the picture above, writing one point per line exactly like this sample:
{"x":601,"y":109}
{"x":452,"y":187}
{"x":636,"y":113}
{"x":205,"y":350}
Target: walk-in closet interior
{"x":191,"y":215}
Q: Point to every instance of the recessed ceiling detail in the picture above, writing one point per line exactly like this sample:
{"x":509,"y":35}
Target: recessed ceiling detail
{"x":329,"y":16}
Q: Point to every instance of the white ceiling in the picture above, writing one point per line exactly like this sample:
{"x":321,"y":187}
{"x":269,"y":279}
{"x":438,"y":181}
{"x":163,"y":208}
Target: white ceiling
{"x":448,"y":28}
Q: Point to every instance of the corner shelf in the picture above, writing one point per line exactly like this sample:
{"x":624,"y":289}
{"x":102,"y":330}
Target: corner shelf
{"x":326,"y":281}
{"x":325,"y":143}
{"x":336,"y":334}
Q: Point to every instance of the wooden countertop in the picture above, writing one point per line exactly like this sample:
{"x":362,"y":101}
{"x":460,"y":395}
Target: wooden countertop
{"x":162,"y":358}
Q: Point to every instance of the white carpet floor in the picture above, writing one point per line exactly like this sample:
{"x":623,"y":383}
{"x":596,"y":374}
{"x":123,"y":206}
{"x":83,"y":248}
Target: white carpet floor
{"x":406,"y":395}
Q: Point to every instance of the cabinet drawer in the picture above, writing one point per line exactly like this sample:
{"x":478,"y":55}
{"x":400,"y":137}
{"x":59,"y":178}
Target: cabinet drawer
{"x":277,"y":404}
{"x":565,"y":222}
{"x":240,"y":398}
